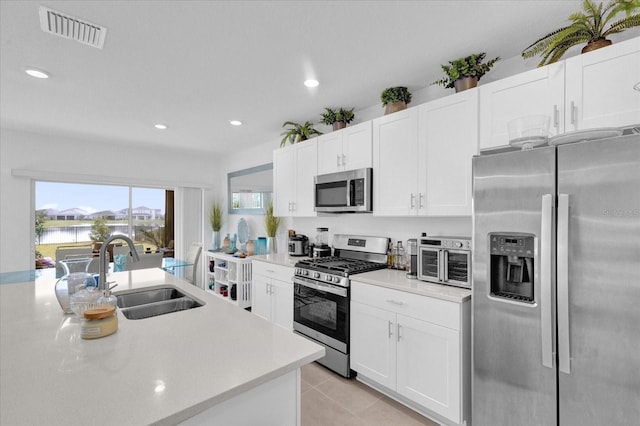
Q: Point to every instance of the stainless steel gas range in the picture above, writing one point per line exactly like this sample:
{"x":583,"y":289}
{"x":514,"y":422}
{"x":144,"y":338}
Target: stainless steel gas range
{"x":322,"y":294}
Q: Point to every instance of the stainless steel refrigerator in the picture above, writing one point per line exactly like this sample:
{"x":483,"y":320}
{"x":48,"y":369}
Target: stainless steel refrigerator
{"x":556,"y":285}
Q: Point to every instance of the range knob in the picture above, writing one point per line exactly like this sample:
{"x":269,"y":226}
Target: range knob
{"x":458,"y":244}
{"x":328,"y":278}
{"x":316,"y":275}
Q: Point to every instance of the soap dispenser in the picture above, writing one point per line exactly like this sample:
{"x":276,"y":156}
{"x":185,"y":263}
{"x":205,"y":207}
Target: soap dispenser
{"x":107,"y":298}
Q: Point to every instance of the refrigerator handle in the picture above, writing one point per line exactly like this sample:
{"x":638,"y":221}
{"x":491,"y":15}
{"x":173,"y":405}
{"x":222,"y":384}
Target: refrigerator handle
{"x":564,"y":355}
{"x":546,"y":280}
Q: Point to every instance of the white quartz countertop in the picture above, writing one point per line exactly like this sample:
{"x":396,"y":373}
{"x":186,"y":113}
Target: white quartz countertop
{"x":159,"y":370}
{"x":279,"y":259}
{"x":398,"y":280}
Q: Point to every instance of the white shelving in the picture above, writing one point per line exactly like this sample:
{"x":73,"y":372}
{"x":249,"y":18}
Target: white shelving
{"x":229,"y":276}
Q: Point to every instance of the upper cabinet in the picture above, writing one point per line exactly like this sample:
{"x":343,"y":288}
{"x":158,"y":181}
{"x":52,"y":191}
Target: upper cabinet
{"x":536,"y":92}
{"x":395,"y":164}
{"x":599,"y":87}
{"x":346,"y":149}
{"x":591,"y":90}
{"x":294,"y":169}
{"x":448,"y":139}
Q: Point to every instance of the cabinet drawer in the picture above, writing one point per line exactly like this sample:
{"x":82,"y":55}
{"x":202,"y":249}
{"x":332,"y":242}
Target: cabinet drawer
{"x":435,"y":311}
{"x":271,"y":270}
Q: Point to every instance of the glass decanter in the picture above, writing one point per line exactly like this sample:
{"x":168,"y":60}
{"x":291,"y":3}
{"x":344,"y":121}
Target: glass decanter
{"x":75,"y":278}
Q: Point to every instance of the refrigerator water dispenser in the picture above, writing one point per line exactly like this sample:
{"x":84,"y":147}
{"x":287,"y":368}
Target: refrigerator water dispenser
{"x":512,"y":266}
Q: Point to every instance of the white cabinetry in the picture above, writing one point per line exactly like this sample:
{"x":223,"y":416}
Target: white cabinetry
{"x":586,"y":91}
{"x":346,"y":149}
{"x":395,"y":164}
{"x":229,"y":278}
{"x":294,"y":168}
{"x":599,"y":87}
{"x":448,"y":134}
{"x":536,"y":92}
{"x":272,"y":290}
{"x":415,"y":346}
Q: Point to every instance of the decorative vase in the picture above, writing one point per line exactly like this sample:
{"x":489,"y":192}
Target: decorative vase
{"x":339,"y":125}
{"x":215,"y":240}
{"x":596,"y":44}
{"x":272,"y":246}
{"x":395,"y":107}
{"x":465,"y":83}
{"x":75,"y":278}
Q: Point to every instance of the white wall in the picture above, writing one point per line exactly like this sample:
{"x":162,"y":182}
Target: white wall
{"x":63,"y":159}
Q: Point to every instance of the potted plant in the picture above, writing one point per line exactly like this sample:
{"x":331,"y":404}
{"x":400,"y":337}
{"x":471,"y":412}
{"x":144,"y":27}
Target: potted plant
{"x":271,"y":224}
{"x":587,"y":26}
{"x":99,"y":233}
{"x":337,"y":118}
{"x":464,"y":73}
{"x":395,"y":99}
{"x":298,"y":132}
{"x":215,"y":217}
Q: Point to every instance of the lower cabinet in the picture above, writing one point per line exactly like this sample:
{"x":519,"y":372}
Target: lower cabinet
{"x":272,"y":293}
{"x":415,"y":346}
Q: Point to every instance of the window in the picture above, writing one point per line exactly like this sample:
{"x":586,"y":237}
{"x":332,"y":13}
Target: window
{"x":69,"y":214}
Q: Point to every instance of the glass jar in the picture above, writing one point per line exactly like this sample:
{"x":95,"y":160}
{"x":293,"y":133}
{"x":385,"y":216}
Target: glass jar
{"x":76,"y":278}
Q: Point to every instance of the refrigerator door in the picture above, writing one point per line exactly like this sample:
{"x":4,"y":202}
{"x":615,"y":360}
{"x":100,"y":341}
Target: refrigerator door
{"x":599,"y":345}
{"x":511,"y":386}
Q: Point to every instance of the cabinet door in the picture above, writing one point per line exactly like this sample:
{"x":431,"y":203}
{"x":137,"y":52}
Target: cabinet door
{"x":373,"y":344}
{"x":306,"y":170}
{"x":356,"y":146}
{"x":283,"y":179}
{"x":536,"y":92}
{"x":429,"y":366}
{"x":448,"y":135}
{"x":330,"y":153}
{"x":260,"y":296}
{"x":282,"y":304}
{"x":395,"y":162}
{"x":599,"y":87}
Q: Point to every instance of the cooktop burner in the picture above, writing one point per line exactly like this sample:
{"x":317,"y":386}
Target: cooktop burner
{"x":340,"y":265}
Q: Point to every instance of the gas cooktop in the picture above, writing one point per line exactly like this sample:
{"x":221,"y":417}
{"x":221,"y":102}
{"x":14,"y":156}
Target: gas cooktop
{"x":339,"y":265}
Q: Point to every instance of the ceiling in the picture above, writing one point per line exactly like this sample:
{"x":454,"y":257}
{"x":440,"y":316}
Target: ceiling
{"x":195,"y":65}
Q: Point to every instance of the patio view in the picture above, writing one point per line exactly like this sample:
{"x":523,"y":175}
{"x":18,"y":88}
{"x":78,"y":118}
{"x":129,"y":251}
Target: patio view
{"x":80,"y":216}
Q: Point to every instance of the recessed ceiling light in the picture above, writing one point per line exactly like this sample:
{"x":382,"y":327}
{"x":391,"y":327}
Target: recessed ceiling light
{"x":161,"y":126}
{"x":311,"y":83}
{"x":235,"y":122}
{"x":33,"y":72}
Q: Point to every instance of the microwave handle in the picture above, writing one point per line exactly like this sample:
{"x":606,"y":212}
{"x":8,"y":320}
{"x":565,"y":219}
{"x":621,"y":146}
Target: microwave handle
{"x":348,"y":192}
{"x":440,"y":265}
{"x":445,"y":267}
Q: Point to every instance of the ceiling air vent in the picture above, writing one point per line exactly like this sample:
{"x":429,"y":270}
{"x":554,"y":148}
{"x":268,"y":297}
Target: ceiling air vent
{"x":66,"y":26}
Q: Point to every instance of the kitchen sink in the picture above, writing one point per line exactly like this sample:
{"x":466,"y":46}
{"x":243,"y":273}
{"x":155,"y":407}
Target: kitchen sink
{"x":152,"y":302}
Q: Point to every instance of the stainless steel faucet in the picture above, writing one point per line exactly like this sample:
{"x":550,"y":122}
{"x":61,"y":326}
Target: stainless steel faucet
{"x":104,"y":258}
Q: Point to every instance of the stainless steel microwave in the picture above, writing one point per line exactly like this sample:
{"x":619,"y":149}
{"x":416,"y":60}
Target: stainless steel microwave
{"x":445,"y":260}
{"x":344,"y":192}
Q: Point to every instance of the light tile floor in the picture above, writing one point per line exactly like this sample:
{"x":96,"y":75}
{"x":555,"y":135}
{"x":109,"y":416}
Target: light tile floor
{"x":331,"y":400}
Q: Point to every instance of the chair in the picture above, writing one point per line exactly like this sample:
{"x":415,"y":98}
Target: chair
{"x":147,"y":260}
{"x":70,"y":252}
{"x":193,"y":255}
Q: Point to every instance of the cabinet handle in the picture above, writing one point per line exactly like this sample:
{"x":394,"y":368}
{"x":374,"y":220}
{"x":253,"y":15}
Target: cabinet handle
{"x":398,"y":333}
{"x":413,"y":201}
{"x":337,"y":160}
{"x":293,"y":206}
{"x":573,"y":113}
{"x":395,"y":302}
{"x":344,"y":160}
{"x":556,"y":118}
{"x":420,"y":202}
{"x":390,"y":329}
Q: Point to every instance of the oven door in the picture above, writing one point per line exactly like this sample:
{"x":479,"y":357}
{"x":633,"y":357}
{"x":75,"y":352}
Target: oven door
{"x":321,"y":311}
{"x":457,"y":268}
{"x":429,"y":264}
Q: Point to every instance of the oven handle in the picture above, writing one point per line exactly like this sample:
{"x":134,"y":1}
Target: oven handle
{"x":316,"y":285}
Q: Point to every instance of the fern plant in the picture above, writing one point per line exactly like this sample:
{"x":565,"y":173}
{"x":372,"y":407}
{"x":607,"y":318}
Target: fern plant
{"x":298,"y":132}
{"x":331,"y":116}
{"x":215,"y":216}
{"x":470,"y":66}
{"x":587,"y":26}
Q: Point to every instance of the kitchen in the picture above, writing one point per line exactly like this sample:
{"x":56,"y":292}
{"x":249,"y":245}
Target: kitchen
{"x":188,"y":169}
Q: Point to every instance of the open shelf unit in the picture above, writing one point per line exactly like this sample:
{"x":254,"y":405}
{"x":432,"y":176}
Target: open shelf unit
{"x":229,"y":276}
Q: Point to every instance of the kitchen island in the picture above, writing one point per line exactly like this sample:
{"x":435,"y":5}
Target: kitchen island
{"x":214,"y":364}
